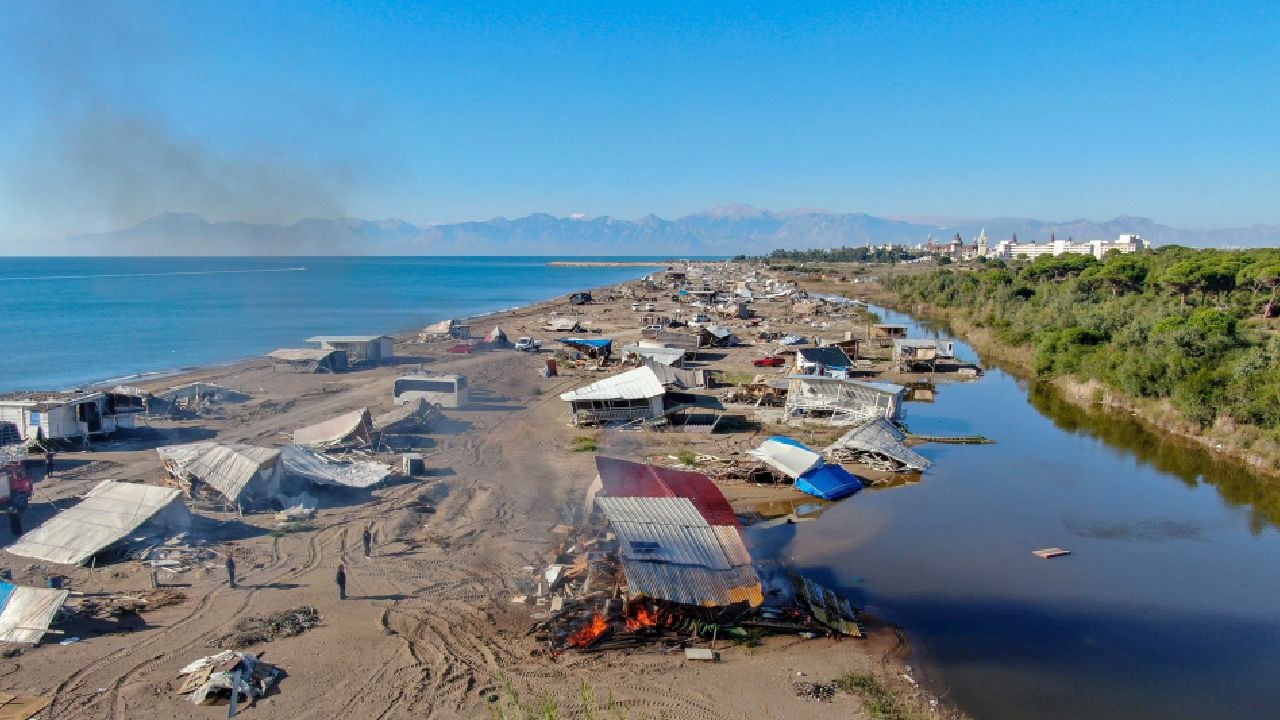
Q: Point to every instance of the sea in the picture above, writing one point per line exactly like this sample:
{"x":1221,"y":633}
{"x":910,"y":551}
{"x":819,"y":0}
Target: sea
{"x":72,"y":322}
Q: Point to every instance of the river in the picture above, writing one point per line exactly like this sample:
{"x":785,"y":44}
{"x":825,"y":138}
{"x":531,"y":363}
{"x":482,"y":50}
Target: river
{"x":1166,"y":608}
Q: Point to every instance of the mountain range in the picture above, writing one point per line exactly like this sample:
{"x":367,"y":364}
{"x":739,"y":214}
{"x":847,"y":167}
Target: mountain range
{"x":730,"y":230}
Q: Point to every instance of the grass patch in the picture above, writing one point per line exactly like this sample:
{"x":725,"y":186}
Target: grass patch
{"x":880,"y":702}
{"x":687,"y":457}
{"x":735,"y":378}
{"x":585,"y":443}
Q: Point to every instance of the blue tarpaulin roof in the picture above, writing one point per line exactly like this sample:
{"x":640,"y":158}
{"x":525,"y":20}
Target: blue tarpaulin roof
{"x":829,"y":482}
{"x":589,"y":342}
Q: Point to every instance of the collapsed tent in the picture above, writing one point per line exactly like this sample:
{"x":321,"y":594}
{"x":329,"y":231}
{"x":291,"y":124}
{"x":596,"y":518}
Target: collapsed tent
{"x":496,"y":336}
{"x":414,"y":416}
{"x":355,"y":427}
{"x":240,"y":473}
{"x":313,"y":466}
{"x":25,"y":612}
{"x":878,"y":442}
{"x":110,"y":512}
{"x":810,"y":472}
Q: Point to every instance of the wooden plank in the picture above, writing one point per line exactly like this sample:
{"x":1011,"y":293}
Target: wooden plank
{"x":1053,"y":552}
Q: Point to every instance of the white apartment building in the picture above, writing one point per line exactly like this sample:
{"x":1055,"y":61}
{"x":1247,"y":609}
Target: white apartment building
{"x":1011,"y":249}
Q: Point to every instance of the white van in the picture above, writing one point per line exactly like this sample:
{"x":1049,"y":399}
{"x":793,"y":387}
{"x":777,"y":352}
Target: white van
{"x":444,"y":390}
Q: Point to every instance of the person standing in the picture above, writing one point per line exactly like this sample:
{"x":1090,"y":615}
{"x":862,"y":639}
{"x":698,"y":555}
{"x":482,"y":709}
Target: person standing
{"x":15,"y":524}
{"x":367,"y":537}
{"x":341,"y":579}
{"x":48,"y":462}
{"x":231,"y":571}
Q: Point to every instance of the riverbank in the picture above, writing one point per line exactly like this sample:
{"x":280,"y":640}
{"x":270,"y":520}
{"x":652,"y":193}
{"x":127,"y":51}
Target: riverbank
{"x":1238,"y":444}
{"x":429,"y":630}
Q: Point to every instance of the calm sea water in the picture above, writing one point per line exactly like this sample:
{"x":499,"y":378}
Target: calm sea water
{"x":68,"y":321}
{"x":1169,"y":606}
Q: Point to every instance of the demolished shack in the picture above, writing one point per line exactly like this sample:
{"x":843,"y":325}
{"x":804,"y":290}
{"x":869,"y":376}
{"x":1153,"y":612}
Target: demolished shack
{"x":921,"y":353}
{"x":109,"y":516}
{"x":806,"y":468}
{"x":25,"y":612}
{"x":678,"y":539}
{"x":246,"y":475}
{"x":880,"y":445}
{"x":411,"y":415}
{"x":562,"y":324}
{"x":360,"y":349}
{"x":308,"y":360}
{"x":839,"y":401}
{"x":626,"y":397}
{"x":316,"y":467}
{"x":349,"y":429}
{"x":830,"y":361}
{"x":239,"y":677}
{"x":669,"y":357}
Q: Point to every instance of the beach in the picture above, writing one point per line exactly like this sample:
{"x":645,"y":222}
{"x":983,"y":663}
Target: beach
{"x":429,"y":629}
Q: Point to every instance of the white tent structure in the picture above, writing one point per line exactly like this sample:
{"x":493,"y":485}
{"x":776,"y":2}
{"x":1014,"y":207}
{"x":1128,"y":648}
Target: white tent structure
{"x":790,"y":460}
{"x":25,"y":612}
{"x":875,"y":443}
{"x":632,"y":395}
{"x":318,"y":468}
{"x":238,"y":472}
{"x":353,"y":427}
{"x":110,"y":512}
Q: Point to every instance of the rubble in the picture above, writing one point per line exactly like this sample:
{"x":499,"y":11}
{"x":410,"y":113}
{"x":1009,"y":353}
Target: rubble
{"x":236,"y":676}
{"x":258,"y":629}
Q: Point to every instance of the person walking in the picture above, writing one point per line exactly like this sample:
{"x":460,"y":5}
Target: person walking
{"x":341,"y":579}
{"x":368,"y":543}
{"x":231,"y":571}
{"x":48,"y":463}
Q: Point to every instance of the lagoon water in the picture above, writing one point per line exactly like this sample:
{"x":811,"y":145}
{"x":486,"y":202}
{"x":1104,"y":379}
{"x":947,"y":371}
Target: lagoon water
{"x":69,"y":321}
{"x":1168,"y":607}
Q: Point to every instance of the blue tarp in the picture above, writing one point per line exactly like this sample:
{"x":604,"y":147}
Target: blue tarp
{"x":590,"y":342}
{"x":829,"y":482}
{"x":6,"y":590}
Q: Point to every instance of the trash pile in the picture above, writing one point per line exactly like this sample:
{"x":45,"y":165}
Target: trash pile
{"x":822,"y":692}
{"x":231,"y":675}
{"x":119,"y":605}
{"x":257,"y":629}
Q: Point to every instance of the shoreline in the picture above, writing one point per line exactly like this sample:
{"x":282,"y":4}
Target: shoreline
{"x":1156,"y":416}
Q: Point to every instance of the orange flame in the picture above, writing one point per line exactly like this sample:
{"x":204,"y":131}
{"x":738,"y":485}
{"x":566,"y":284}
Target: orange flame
{"x":642,"y":618}
{"x":589,"y":632}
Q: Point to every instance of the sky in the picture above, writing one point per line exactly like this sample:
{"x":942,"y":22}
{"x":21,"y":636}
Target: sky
{"x":439,"y":112}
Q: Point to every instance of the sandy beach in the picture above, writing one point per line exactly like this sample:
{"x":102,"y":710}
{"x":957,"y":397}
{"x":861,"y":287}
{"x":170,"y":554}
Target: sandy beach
{"x":429,"y":629}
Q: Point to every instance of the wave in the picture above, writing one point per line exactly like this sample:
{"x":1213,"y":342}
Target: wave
{"x":154,"y":274}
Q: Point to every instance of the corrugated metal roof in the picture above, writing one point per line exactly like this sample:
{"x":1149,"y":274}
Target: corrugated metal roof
{"x":680,"y":544}
{"x":300,"y":354}
{"x":666,"y":356}
{"x":345,"y":338}
{"x":693,"y":585}
{"x":636,"y":384}
{"x":623,"y":478}
{"x":732,"y":543}
{"x":110,"y":511}
{"x":28,"y":611}
{"x":880,"y":436}
{"x":664,"y":510}
{"x":324,"y":470}
{"x":335,"y":430}
{"x":230,"y":469}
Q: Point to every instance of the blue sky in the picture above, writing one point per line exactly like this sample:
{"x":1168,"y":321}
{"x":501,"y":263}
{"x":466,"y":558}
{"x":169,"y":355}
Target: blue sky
{"x":441,"y":112}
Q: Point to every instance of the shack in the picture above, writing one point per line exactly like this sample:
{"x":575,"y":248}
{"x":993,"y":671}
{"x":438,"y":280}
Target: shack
{"x":716,"y":336}
{"x":360,"y":349}
{"x":308,"y":360}
{"x":353,"y":429}
{"x":562,"y":324}
{"x":75,"y":415}
{"x":883,"y":335}
{"x":110,"y":515}
{"x":445,"y":389}
{"x":806,"y":468}
{"x":831,"y":361}
{"x":918,"y":353}
{"x":879,"y":444}
{"x":626,"y":397}
{"x":839,"y":401}
{"x":496,"y":338}
{"x":594,"y":348}
{"x":670,"y":357}
{"x":246,"y":475}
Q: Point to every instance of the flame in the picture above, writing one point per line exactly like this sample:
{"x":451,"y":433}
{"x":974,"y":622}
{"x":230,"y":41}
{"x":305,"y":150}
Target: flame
{"x":642,"y":618}
{"x":589,"y":632}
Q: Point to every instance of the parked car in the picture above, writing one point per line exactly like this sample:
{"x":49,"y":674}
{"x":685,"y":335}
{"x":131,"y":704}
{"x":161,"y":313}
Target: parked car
{"x":771,"y":361}
{"x":528,"y":344}
{"x":462,"y":348}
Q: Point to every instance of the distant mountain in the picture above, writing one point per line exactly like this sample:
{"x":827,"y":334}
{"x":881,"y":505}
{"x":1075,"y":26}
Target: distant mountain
{"x":731,"y":230}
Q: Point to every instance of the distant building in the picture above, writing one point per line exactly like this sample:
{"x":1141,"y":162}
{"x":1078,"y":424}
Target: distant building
{"x":1012,"y":249}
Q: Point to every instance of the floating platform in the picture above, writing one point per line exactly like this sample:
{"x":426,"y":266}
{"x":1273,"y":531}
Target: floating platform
{"x":1050,"y":553}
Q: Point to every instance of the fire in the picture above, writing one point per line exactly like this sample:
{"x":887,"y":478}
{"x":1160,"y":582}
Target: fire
{"x":642,"y":618}
{"x":589,"y":632}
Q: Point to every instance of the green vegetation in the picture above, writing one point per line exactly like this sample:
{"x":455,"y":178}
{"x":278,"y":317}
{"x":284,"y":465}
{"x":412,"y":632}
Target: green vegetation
{"x":688,"y":457}
{"x":585,"y":443}
{"x":879,"y":701}
{"x":1189,"y":326}
{"x":292,"y":526}
{"x":840,"y":254}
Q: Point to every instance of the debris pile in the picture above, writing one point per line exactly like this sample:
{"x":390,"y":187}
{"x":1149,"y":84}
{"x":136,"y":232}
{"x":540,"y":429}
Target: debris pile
{"x":231,"y":675}
{"x":120,"y":605}
{"x":258,"y":629}
{"x":822,"y":692}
